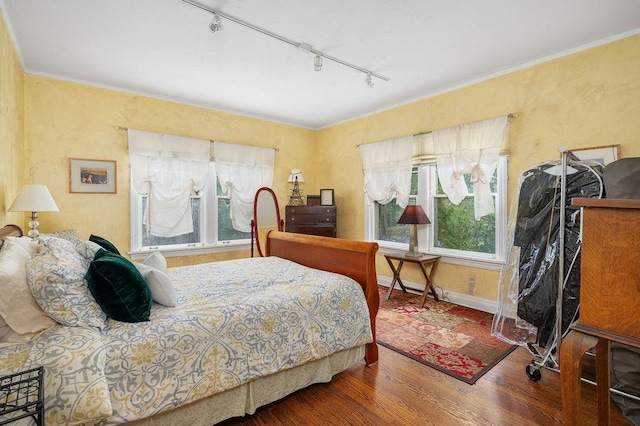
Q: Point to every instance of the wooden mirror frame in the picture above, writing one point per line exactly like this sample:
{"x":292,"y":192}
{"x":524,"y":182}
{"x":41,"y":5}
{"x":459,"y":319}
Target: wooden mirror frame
{"x":254,"y":222}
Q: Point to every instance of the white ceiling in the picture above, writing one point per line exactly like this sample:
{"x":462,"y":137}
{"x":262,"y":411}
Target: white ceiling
{"x":164,"y":49}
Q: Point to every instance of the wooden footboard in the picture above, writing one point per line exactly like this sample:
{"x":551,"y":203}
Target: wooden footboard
{"x":355,"y":259}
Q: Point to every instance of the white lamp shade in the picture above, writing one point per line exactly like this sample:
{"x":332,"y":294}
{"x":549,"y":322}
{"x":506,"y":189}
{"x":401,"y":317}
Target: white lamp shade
{"x":34,"y":198}
{"x":295,"y":173}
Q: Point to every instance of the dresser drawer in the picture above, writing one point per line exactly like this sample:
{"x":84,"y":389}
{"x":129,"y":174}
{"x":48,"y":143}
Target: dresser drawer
{"x":315,"y":220}
{"x":310,"y":210}
{"x":310,"y":219}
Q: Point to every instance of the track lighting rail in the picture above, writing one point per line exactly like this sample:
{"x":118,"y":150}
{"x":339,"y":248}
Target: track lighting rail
{"x":302,"y":46}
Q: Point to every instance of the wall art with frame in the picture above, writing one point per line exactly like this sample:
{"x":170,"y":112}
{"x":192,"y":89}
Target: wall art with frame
{"x":604,"y":154}
{"x":326,"y":197}
{"x":92,"y":176}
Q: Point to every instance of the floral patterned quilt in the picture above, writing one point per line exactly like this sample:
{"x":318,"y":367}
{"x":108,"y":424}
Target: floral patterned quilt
{"x":235,"y":321}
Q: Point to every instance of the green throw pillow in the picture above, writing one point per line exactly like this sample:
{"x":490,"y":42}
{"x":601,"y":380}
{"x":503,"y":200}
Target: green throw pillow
{"x":104,"y":243}
{"x":119,"y":288}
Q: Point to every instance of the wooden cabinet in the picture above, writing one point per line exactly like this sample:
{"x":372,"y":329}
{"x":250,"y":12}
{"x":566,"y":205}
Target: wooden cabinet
{"x":609,"y":298}
{"x":314,"y":220}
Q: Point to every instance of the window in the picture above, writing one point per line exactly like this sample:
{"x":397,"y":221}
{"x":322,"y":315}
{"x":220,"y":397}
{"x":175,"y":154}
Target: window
{"x":453,"y":233}
{"x":212,"y":230}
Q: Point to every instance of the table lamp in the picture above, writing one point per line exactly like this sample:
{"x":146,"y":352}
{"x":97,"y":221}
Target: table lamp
{"x":413,"y":215}
{"x":34,"y":199}
{"x":295,"y":199}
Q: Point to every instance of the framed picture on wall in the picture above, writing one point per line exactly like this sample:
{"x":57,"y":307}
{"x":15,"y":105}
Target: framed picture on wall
{"x":602,"y":154}
{"x":326,"y":197}
{"x":92,"y":176}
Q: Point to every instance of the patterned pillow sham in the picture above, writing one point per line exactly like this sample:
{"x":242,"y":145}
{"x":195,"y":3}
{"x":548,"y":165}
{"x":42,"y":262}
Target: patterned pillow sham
{"x":56,"y":279}
{"x":69,"y":235}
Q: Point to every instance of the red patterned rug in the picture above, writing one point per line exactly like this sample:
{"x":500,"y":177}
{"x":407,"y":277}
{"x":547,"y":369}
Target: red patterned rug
{"x":453,"y":339}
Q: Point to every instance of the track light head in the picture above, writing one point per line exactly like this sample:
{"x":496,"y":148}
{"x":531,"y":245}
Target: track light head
{"x":317,"y":63}
{"x":368,"y":80}
{"x":216,"y":24}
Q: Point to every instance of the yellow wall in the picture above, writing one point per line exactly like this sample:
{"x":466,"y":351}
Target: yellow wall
{"x":12,"y":146}
{"x":587,"y":99}
{"x":67,"y":120}
{"x":590,"y":98}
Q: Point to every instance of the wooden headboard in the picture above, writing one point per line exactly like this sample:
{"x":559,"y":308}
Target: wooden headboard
{"x":355,"y":259}
{"x":9,"y":231}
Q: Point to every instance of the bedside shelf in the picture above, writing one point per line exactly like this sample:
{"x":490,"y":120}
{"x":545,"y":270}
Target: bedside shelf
{"x":21,"y":395}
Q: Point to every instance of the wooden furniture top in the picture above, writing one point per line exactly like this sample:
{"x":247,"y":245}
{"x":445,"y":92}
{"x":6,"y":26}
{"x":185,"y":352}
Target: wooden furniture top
{"x":403,"y":256}
{"x":617,"y":203}
{"x":355,"y":259}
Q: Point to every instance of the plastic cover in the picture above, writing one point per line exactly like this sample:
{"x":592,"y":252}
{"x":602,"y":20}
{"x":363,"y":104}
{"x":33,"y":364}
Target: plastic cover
{"x":529,"y":280}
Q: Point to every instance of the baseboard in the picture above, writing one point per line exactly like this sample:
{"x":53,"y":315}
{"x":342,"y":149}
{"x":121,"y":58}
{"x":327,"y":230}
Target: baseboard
{"x":461,"y":299}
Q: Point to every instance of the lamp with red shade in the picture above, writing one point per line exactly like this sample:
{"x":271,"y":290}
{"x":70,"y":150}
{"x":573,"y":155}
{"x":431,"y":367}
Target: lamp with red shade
{"x":413,"y":215}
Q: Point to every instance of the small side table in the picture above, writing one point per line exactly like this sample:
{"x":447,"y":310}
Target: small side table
{"x":22,"y":395}
{"x":428,"y":265}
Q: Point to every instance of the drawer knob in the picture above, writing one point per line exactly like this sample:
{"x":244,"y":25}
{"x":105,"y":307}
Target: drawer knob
{"x":293,"y":219}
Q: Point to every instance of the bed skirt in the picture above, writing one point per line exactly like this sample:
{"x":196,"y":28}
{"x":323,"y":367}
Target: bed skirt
{"x":246,"y":399}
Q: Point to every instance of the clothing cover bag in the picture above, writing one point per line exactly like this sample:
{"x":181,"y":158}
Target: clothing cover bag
{"x":622,"y":178}
{"x":528,"y":289}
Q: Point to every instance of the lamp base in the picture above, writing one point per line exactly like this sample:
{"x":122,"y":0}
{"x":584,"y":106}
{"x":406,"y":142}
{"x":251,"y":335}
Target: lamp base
{"x":33,"y":226}
{"x":413,"y":254}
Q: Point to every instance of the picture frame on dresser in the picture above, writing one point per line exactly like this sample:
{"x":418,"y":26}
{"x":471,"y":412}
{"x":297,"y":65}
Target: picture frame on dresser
{"x":313,"y":200}
{"x":326,"y":197}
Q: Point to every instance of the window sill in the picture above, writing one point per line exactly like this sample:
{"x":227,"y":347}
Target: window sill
{"x":191,"y":251}
{"x":490,"y":264}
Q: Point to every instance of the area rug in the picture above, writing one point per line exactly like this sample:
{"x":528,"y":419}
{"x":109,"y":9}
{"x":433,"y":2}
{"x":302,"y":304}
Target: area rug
{"x":450,"y":338}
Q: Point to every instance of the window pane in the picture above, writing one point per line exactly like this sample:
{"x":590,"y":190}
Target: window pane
{"x":388,"y":227}
{"x":456,"y":228}
{"x":388,"y":215}
{"x":225,"y":229}
{"x":467,"y":180}
{"x":191,"y":238}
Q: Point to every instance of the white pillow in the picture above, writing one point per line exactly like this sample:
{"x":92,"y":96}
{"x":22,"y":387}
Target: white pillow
{"x":162,"y":290}
{"x":17,"y":304}
{"x":26,"y":243}
{"x":157,"y":260}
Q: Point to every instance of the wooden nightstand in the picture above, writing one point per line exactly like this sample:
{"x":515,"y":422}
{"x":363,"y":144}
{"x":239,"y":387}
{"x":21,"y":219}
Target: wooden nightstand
{"x":425,"y":261}
{"x":314,"y":220}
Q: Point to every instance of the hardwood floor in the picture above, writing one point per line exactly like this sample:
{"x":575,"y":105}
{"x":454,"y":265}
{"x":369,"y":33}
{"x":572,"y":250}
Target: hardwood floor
{"x":400,"y":391}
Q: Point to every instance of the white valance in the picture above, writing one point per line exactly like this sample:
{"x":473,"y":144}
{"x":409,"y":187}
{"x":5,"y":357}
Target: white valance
{"x":470,"y":148}
{"x":168,"y":169}
{"x":387,"y":170}
{"x":242,"y":170}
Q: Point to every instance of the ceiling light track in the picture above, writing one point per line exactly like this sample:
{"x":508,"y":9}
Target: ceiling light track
{"x":216,"y":25}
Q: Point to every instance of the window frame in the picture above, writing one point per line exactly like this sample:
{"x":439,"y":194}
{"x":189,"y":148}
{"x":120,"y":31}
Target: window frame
{"x":427,"y":181}
{"x":209,"y":243}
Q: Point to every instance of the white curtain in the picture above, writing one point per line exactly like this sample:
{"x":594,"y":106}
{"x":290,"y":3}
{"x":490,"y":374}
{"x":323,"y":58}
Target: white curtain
{"x":242,"y":170}
{"x":168,"y":169}
{"x":387,"y":170}
{"x":470,"y":148}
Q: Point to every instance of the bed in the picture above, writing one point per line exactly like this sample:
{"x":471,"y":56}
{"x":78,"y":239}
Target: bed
{"x":223,"y":351}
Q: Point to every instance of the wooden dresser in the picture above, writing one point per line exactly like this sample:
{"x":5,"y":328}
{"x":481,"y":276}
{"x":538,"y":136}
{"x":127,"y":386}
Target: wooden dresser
{"x":609,"y":298}
{"x":314,"y":220}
